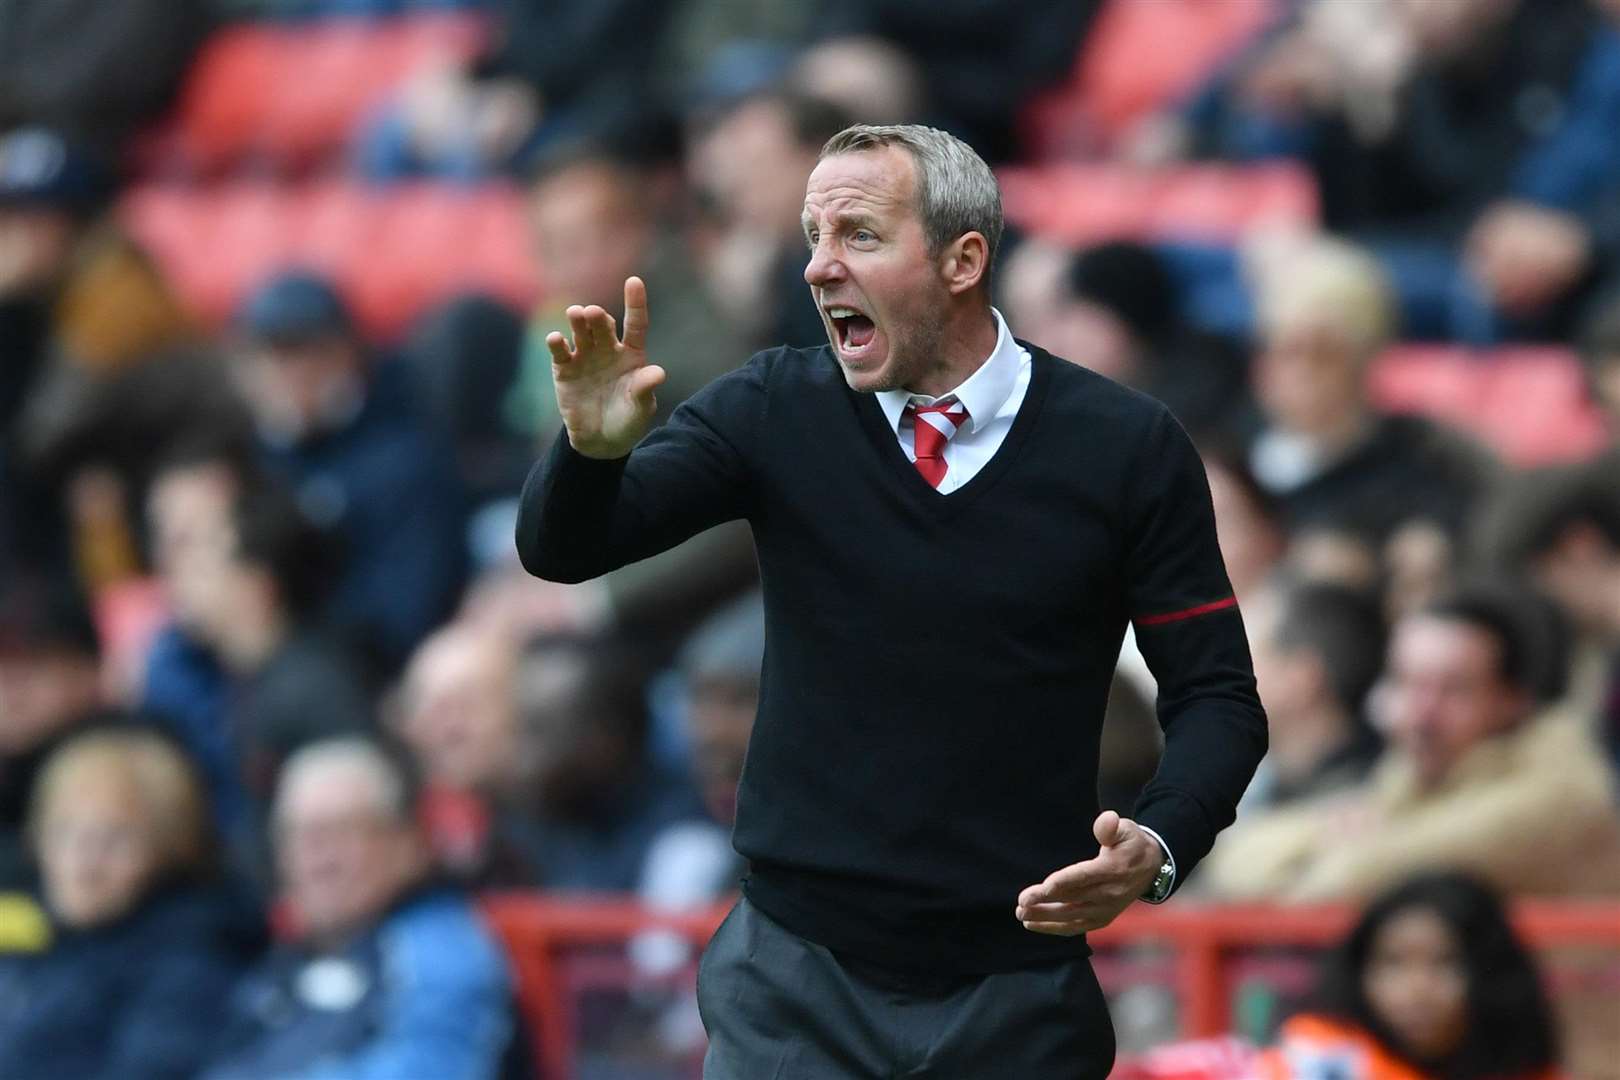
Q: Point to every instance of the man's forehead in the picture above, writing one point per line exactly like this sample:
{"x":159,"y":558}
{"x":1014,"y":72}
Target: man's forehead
{"x":864,"y":180}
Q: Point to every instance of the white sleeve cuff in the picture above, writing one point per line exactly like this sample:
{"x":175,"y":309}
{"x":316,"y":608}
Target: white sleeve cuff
{"x":1168,"y":854}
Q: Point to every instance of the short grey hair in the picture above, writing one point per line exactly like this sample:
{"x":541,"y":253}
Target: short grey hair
{"x":956,"y":191}
{"x":394,"y":787}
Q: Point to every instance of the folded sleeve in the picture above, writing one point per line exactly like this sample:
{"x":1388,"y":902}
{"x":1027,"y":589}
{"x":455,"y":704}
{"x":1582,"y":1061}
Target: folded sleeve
{"x":1190,"y":631}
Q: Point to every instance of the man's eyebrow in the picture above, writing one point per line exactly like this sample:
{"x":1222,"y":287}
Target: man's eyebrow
{"x":839,"y":218}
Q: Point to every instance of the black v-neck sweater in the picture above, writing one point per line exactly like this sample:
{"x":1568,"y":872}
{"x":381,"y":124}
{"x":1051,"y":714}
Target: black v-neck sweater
{"x":937,"y":666}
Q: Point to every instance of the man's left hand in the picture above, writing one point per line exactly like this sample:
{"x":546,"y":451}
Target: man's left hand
{"x":1089,"y":895}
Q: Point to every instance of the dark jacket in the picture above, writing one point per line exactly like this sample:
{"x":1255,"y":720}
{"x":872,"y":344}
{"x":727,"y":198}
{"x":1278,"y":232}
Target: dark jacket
{"x":141,"y":997}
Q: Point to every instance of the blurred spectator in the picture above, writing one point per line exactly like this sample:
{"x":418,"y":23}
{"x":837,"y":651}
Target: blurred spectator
{"x":1467,"y":143}
{"x":77,"y":299}
{"x":977,"y":62}
{"x":391,"y":976}
{"x":49,"y":683}
{"x":748,"y":170}
{"x":871,"y":79}
{"x":458,"y":714}
{"x":333,"y":424}
{"x":1600,"y":350}
{"x":1431,"y":982}
{"x":1322,"y":449}
{"x":464,"y":360}
{"x":1474,"y":778}
{"x":598,"y":801}
{"x":555,"y":71}
{"x":1315,"y":667}
{"x":720,"y":667}
{"x":1118,"y":312}
{"x":593,"y":228}
{"x":245,"y":589}
{"x":1561,"y":528}
{"x":96,"y":69}
{"x":142,"y":947}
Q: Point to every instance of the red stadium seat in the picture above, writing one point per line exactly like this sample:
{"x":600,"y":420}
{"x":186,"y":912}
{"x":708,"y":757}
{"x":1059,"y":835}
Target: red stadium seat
{"x":293,"y":95}
{"x":1082,"y":204}
{"x":1528,"y":403}
{"x":394,"y":251}
{"x":1140,"y":56}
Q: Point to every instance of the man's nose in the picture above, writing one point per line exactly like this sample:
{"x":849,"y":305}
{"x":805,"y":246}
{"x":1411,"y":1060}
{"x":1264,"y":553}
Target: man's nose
{"x":823,"y":269}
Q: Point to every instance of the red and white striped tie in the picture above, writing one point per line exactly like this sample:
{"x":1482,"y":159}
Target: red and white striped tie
{"x":934,"y":426}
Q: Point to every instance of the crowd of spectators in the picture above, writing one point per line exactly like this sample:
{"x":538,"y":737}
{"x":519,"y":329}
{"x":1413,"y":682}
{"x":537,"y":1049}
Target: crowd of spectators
{"x":277,"y":702}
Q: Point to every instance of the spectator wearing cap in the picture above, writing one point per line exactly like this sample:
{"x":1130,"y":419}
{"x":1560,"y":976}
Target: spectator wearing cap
{"x":78,"y":300}
{"x":1477,"y":777}
{"x":49,"y":684}
{"x":341,"y":433}
{"x":391,"y":974}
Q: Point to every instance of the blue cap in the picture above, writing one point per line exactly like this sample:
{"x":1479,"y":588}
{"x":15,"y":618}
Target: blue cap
{"x":294,"y":307}
{"x":38,"y":167}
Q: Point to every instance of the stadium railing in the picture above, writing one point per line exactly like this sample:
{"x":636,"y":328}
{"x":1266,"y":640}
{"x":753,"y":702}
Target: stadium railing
{"x":1204,"y":942}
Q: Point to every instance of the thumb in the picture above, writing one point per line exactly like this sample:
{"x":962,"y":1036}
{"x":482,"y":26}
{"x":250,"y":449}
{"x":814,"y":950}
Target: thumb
{"x":1106,"y":829}
{"x":644,"y":380}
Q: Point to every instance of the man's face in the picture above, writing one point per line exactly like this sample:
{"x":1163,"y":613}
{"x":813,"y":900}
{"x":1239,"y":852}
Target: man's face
{"x":1445,"y":692}
{"x":97,"y":851}
{"x":459,"y":716}
{"x":1309,"y":377}
{"x":193,"y":538}
{"x":295,"y":388}
{"x":721,"y":719}
{"x":590,"y":233}
{"x":343,"y":857}
{"x":881,"y":294}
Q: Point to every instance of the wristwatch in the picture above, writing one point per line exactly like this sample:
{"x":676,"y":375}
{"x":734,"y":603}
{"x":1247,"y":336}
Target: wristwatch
{"x":1158,"y":891}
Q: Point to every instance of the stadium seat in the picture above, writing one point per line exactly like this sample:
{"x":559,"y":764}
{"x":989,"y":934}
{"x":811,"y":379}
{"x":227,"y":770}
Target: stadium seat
{"x":1528,"y":403}
{"x":394,"y":251}
{"x":1082,"y":204}
{"x":286,"y":97}
{"x":1140,"y":56}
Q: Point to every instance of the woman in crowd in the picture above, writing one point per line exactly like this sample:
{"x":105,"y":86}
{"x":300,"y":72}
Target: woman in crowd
{"x":141,"y":950}
{"x":1431,"y":983}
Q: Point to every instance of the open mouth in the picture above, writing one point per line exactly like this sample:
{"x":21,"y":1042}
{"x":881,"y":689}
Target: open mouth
{"x":855,"y":329}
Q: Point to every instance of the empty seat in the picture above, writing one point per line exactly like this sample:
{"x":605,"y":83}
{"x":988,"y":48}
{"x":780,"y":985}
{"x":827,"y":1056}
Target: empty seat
{"x":1528,"y":403}
{"x":394,"y":251}
{"x":291,"y":96}
{"x":1082,"y":204}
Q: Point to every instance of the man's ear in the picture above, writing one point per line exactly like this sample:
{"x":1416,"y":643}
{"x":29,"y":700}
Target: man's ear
{"x":964,"y":261}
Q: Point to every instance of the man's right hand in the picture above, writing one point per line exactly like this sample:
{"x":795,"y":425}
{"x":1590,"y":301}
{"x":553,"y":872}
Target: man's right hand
{"x":605,"y":385}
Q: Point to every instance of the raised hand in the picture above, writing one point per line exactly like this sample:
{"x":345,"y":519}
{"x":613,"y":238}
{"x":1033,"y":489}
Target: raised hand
{"x":604,"y":384}
{"x":1089,"y":895}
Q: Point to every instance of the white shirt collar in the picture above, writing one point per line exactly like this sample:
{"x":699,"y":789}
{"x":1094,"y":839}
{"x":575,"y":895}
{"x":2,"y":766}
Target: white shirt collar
{"x":982,"y":392}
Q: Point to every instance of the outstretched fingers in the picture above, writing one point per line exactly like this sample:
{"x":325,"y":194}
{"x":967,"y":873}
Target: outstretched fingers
{"x":557,"y":344}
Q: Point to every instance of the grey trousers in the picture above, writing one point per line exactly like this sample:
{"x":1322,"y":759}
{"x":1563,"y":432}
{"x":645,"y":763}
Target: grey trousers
{"x":778,"y":1007}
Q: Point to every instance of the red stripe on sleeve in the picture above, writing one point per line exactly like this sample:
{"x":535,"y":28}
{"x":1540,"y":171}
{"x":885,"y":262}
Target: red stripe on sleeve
{"x":1177,"y":616}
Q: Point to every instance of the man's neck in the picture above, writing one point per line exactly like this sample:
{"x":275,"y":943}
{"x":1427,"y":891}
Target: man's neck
{"x":966,"y":342}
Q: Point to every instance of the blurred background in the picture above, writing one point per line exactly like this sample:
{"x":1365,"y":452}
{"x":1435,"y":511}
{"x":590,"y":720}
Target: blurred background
{"x":300,"y":775}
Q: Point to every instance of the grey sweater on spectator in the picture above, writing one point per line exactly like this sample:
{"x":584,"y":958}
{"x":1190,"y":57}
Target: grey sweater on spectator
{"x":937,"y":666}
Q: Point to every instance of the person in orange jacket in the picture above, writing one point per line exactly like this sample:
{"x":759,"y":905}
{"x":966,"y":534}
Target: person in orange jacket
{"x":1431,"y":984}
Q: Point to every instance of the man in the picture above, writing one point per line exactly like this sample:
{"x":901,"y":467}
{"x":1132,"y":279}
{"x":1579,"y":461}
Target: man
{"x":1475,"y":778}
{"x":334,"y":426}
{"x":1315,"y":669}
{"x":942,"y":621}
{"x":390,"y":976}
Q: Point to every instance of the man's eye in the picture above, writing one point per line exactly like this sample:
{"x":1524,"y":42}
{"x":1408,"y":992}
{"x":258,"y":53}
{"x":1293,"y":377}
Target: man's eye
{"x":811,"y":237}
{"x":863,"y":236}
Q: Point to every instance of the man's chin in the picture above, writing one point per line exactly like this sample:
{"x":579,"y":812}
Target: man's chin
{"x":868,"y":376}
